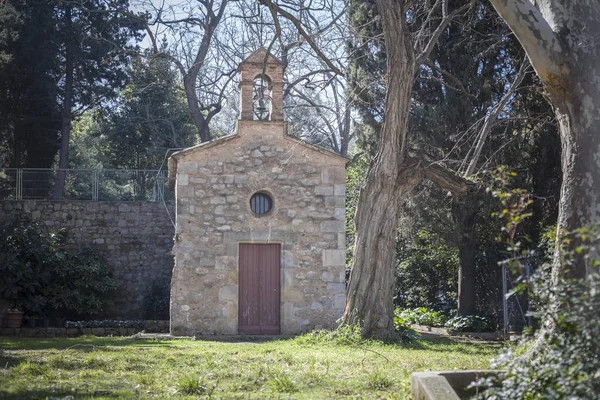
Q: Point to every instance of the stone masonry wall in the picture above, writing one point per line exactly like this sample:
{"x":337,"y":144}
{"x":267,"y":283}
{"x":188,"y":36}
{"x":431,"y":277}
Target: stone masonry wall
{"x":137,"y":238}
{"x":215,"y":182}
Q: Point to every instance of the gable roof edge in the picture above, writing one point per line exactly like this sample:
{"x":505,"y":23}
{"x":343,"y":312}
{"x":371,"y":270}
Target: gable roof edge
{"x":246,"y":60}
{"x":316,"y":148}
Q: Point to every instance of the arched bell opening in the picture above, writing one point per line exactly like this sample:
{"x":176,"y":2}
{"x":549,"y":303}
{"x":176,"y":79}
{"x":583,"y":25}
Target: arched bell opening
{"x":261,"y":98}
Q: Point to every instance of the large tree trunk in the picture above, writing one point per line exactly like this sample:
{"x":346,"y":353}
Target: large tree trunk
{"x":580,"y":191}
{"x":67,"y":114}
{"x":370,"y":290}
{"x":561,"y":40}
{"x":393,"y":174}
{"x":465,"y":215}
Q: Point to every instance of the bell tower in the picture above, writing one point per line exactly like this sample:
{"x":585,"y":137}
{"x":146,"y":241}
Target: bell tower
{"x":261,"y":87}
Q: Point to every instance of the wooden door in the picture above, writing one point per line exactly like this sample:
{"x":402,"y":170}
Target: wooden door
{"x":259,"y":289}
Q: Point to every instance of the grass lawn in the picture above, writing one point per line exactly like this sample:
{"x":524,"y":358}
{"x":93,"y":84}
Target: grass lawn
{"x":301,"y":368}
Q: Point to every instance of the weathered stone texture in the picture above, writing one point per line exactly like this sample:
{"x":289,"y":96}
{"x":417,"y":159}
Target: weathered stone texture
{"x":137,"y":239}
{"x":214,"y":184}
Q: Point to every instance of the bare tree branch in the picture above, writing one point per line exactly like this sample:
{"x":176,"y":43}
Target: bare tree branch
{"x":460,"y":87}
{"x":492,"y":117}
{"x":424,"y":54}
{"x":457,"y":185}
{"x":304,"y":77}
{"x":274,"y":6}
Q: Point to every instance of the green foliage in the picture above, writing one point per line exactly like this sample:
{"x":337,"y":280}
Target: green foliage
{"x":469,"y":323}
{"x":282,"y":383}
{"x":88,"y":148}
{"x":404,"y":331}
{"x":81,"y":283}
{"x":356,"y":175}
{"x":379,"y":380}
{"x":98,"y":43}
{"x":345,"y":335}
{"x":29,"y":77}
{"x":152,"y":117}
{"x":29,"y":254}
{"x":36,"y":39}
{"x":192,"y":385}
{"x":366,"y":72}
{"x":515,"y":203}
{"x":39,"y":273}
{"x":421,"y":316}
{"x":566,"y":364}
{"x":427,"y":274}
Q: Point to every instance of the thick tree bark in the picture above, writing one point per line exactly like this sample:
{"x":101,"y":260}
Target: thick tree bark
{"x":464,"y":214}
{"x":67,"y":113}
{"x":393,"y":174}
{"x":370,"y":290}
{"x":561,"y":40}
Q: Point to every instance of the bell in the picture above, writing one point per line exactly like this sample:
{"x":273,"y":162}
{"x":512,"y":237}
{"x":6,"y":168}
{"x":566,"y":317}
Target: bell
{"x":261,"y":108}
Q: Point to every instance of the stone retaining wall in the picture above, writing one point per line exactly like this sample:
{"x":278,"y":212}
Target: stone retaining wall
{"x":149,"y":327}
{"x":137,"y":238}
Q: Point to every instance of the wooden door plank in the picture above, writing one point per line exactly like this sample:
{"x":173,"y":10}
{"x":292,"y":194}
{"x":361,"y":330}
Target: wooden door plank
{"x":259,"y":289}
{"x":249,"y":268}
{"x":270,"y":300}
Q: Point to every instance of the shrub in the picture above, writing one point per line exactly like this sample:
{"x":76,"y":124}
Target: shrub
{"x":29,"y":254}
{"x":421,"y":316}
{"x":469,"y":323}
{"x":82,"y":283}
{"x":426,"y":274}
{"x":566,"y":364}
{"x":404,"y":330}
{"x":38,"y":272}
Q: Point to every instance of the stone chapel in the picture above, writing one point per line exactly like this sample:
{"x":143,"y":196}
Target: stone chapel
{"x":260,"y":244}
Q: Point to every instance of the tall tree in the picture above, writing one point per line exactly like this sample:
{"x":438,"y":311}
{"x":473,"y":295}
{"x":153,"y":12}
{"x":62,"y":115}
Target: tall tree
{"x":29,"y":75}
{"x":95,"y":38}
{"x":393,"y":174}
{"x":561,"y":41}
{"x":151,"y":119}
{"x":467,"y":74}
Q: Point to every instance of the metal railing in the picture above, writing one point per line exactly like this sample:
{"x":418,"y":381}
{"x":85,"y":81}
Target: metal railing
{"x":85,"y":184}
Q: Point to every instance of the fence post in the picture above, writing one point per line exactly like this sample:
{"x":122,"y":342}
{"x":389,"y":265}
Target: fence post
{"x":161,"y":187}
{"x":504,"y":298}
{"x":19,"y":193}
{"x":95,"y":186}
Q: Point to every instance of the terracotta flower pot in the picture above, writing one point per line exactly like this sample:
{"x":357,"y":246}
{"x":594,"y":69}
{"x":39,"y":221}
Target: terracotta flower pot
{"x":13,"y":319}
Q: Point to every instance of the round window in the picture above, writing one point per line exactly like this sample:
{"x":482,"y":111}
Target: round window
{"x":261,"y":203}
